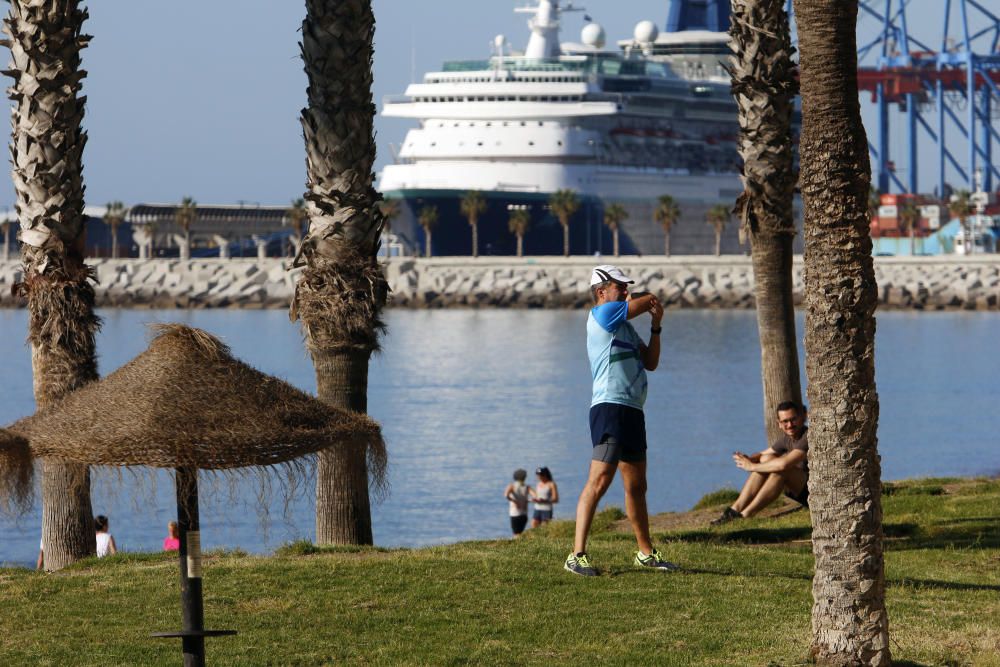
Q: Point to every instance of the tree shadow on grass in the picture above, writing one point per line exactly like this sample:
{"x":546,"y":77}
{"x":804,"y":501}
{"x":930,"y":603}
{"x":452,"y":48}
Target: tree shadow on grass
{"x":964,"y":533}
{"x":760,"y":535}
{"x":941,"y":585}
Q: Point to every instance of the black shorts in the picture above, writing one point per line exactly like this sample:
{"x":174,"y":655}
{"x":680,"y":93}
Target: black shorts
{"x":618,"y":433}
{"x":517,"y":524}
{"x":802,"y":497}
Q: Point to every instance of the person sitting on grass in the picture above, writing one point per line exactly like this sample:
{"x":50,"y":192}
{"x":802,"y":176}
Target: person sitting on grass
{"x":781,"y":468}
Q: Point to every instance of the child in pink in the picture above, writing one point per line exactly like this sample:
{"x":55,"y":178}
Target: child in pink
{"x":172,"y":541}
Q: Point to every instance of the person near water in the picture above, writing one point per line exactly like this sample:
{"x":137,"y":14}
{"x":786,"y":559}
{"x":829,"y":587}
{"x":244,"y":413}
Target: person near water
{"x":105,"y":542}
{"x":544,"y":495}
{"x":516,"y":494}
{"x":781,"y":468}
{"x":619,"y":360}
{"x":172,"y":542}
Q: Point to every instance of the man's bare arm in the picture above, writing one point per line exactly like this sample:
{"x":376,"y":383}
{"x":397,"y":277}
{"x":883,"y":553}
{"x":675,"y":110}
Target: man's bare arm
{"x":638,"y":305}
{"x":777,"y":464}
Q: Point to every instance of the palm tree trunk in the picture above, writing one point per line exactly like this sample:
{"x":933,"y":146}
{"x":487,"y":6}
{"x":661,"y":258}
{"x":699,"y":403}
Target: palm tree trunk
{"x":718,"y":243}
{"x":849,"y":621}
{"x":520,"y":245}
{"x":666,"y":245}
{"x":341,"y":293}
{"x":47,"y":158}
{"x":342,"y":474}
{"x":615,"y":234}
{"x":427,"y":243}
{"x":186,"y":254}
{"x":475,"y":239}
{"x":566,"y":239}
{"x":114,"y":242}
{"x":764,"y":87}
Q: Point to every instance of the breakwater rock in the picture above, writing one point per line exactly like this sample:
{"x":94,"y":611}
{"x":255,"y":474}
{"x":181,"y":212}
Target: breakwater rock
{"x":922,"y":283}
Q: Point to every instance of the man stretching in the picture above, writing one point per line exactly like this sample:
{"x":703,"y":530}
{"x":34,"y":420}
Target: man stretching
{"x":618,"y":363}
{"x":781,"y":468}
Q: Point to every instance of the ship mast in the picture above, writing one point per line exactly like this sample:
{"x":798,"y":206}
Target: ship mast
{"x":544,"y":24}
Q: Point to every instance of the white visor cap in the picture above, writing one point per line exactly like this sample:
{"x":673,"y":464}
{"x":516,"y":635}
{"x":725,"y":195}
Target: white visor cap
{"x":606,"y":272}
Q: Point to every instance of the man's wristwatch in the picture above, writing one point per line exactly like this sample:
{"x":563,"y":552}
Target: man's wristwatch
{"x":655,"y":331}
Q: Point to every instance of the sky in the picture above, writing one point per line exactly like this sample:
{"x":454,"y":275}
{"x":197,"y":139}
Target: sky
{"x":202,"y":99}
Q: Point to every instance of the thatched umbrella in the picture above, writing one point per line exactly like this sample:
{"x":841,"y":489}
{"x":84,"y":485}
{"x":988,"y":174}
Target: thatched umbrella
{"x":185,"y":403}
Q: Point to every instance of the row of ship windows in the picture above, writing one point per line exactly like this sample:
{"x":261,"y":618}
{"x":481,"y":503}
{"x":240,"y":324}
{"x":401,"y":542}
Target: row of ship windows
{"x":532,"y":79}
{"x":489,"y":123}
{"x":479,"y":143}
{"x":501,"y":98}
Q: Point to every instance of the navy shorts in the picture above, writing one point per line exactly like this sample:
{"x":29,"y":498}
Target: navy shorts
{"x":618,"y":433}
{"x":542,"y":515}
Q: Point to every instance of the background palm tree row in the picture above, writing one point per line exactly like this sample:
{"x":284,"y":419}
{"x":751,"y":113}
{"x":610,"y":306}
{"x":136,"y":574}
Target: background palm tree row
{"x":563,"y":204}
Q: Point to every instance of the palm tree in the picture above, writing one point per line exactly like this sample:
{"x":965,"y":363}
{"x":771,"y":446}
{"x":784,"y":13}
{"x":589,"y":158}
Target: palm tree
{"x":473,"y":205}
{"x":390,"y":209}
{"x":667,"y":213}
{"x":6,"y":224}
{"x":47,"y":164}
{"x":718,"y":218}
{"x":340,"y":296}
{"x":849,"y":620}
{"x":520,"y":220}
{"x":614,"y":215}
{"x":185,"y":216}
{"x":764,"y":87}
{"x":428,"y":219}
{"x":909,"y":218}
{"x":114,"y":216}
{"x":297,"y":216}
{"x":959,"y":207}
{"x":564,"y":204}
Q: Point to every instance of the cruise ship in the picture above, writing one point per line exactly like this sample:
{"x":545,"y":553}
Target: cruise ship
{"x":616,"y":125}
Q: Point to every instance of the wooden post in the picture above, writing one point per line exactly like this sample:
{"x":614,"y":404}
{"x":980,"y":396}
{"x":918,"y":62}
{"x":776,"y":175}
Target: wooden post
{"x":192,"y":610}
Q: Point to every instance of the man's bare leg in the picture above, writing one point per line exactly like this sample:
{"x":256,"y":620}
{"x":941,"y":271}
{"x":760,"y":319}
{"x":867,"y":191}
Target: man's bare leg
{"x":792,"y":479}
{"x":749,"y":491}
{"x":634,"y":480}
{"x":751,"y":487}
{"x":600,"y":478}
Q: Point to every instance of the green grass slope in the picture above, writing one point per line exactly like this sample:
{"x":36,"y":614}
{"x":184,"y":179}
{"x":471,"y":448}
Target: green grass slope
{"x":743,"y":597}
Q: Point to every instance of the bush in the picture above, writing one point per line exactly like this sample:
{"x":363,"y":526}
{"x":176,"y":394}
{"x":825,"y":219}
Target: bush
{"x":716,"y":498}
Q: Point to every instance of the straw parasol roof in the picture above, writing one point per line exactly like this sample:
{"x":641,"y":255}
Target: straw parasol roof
{"x":16,"y":471}
{"x":186,"y":402}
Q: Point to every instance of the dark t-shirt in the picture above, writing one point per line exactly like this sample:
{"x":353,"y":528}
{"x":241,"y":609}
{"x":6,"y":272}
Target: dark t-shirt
{"x":785,"y":444}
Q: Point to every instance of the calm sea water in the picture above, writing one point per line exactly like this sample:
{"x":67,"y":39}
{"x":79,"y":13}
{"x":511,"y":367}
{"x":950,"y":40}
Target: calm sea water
{"x":465,"y":397}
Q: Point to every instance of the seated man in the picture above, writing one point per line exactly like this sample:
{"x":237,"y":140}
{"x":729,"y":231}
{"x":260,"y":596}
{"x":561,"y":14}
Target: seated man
{"x":782,"y":467}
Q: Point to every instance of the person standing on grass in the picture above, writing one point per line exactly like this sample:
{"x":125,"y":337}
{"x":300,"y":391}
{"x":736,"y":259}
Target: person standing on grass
{"x":516,"y":494}
{"x":544,"y":495}
{"x":781,"y":468}
{"x":618,"y":364}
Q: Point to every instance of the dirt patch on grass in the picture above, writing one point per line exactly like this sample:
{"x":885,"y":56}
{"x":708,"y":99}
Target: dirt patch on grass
{"x":701,"y":518}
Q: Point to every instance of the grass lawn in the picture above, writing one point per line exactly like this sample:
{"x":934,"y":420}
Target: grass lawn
{"x":743,"y":597}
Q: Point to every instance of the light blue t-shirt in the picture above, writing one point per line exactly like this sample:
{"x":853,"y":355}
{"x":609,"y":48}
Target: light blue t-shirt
{"x":615,"y":364}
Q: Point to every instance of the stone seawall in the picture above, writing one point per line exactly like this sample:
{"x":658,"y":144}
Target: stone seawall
{"x":928,"y":283}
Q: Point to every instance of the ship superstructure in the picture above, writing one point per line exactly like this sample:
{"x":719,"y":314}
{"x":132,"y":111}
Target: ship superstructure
{"x":621,"y":125}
